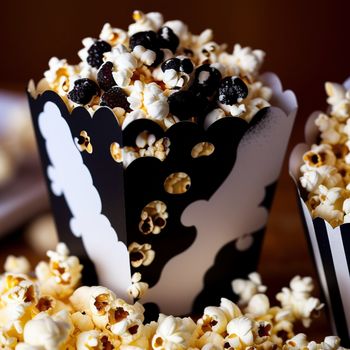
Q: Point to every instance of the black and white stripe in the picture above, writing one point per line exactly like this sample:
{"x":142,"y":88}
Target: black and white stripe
{"x":331,"y":249}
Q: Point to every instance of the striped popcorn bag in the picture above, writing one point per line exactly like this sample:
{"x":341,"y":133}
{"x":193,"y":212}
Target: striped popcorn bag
{"x":323,"y":204}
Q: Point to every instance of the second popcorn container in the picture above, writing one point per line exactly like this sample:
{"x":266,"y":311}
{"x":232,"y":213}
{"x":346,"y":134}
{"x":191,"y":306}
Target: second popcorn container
{"x":162,"y":174}
{"x":320,"y":169}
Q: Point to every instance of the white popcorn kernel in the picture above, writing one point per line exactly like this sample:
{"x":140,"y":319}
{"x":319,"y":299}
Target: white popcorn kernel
{"x":258,"y":305}
{"x":89,"y":340}
{"x":15,"y":264}
{"x":112,"y":35}
{"x":60,"y":76}
{"x":59,"y":277}
{"x":145,"y":22}
{"x":333,"y":216}
{"x":210,"y":341}
{"x":335,"y":92}
{"x":213,"y":319}
{"x":173,"y":333}
{"x":346,"y":206}
{"x":298,"y":299}
{"x":299,"y":341}
{"x":245,"y":289}
{"x":310,"y":180}
{"x":125,"y":320}
{"x":246,"y":60}
{"x":146,"y":56}
{"x":262,"y":332}
{"x":230,"y":309}
{"x":180,"y":29}
{"x":46,"y":331}
{"x":240,"y":332}
{"x":331,"y":343}
{"x":82,"y":321}
{"x":138,"y":288}
{"x":151,"y":98}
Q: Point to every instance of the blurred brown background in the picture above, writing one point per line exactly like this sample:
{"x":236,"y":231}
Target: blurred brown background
{"x":307,"y":43}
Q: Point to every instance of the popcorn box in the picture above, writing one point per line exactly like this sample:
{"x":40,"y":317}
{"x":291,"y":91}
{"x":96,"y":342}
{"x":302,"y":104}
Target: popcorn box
{"x":330,"y":247}
{"x":184,"y":227}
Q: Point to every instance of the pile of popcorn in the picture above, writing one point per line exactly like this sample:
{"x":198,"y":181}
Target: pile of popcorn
{"x":160,"y":71}
{"x":49,"y":311}
{"x":326,"y":167}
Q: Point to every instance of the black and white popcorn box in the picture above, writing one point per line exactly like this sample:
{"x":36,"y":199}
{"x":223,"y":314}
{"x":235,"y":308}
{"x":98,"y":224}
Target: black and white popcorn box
{"x":187,"y":245}
{"x":330,"y":247}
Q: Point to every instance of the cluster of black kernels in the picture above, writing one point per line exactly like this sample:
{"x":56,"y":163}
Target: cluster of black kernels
{"x":96,"y":51}
{"x":184,"y":65}
{"x":83,"y":91}
{"x":115,"y":97}
{"x":198,"y":100}
{"x":206,"y":90}
{"x":165,"y":38}
{"x":232,"y":90}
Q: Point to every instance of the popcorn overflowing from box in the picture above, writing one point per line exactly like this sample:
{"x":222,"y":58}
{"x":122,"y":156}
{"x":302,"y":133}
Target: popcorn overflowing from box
{"x":321,"y":171}
{"x":151,"y":147}
{"x":70,"y":316}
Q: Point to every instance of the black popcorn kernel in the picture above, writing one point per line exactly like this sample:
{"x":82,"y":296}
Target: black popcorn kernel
{"x":83,"y":91}
{"x":104,"y":76}
{"x":167,"y":39}
{"x":206,"y":80}
{"x":172,"y":63}
{"x":232,"y":89}
{"x":179,"y":64}
{"x":185,"y":104}
{"x":146,"y":39}
{"x":187,"y":65}
{"x":96,"y":51}
{"x":159,"y":58}
{"x":115,"y":97}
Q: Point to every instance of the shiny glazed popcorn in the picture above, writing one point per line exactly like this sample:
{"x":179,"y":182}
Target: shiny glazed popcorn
{"x":159,"y":70}
{"x":34,"y":317}
{"x":325,"y":172}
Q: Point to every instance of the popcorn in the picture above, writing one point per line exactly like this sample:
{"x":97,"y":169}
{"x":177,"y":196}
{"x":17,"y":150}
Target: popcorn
{"x":298,"y":299}
{"x":95,"y":318}
{"x":144,"y":22}
{"x":61,"y":274}
{"x":153,"y":218}
{"x":112,"y":35}
{"x":125,"y":64}
{"x":141,"y":254}
{"x":150,"y":98}
{"x":138,"y":288}
{"x":246,"y":289}
{"x":240,"y":332}
{"x":46,"y":332}
{"x":15,"y":264}
{"x":151,"y":63}
{"x":325,"y":173}
{"x":173,"y":333}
